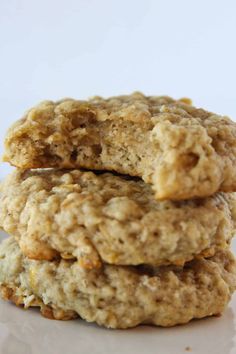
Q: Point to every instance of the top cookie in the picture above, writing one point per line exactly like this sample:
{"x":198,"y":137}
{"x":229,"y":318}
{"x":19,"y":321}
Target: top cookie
{"x":184,"y":152}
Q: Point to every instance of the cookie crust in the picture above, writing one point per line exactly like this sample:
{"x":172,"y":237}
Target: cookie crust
{"x":184,"y":152}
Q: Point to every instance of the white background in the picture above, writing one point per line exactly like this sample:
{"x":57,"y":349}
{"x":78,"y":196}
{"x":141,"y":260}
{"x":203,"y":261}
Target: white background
{"x":52,"y":49}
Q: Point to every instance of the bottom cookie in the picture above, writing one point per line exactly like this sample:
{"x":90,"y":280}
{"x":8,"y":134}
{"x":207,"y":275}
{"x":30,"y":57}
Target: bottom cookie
{"x":118,"y":296}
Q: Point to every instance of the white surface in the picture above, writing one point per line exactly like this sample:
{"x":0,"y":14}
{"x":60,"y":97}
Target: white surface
{"x":26,"y":332}
{"x":57,"y":48}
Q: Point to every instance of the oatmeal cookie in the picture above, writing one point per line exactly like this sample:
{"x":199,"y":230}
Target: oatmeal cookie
{"x":184,"y":152}
{"x":117,"y":296}
{"x":106,"y":218}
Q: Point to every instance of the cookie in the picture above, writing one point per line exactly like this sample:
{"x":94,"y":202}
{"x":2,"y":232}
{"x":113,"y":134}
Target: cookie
{"x":116,"y":296}
{"x":184,"y":152}
{"x":107,"y":218}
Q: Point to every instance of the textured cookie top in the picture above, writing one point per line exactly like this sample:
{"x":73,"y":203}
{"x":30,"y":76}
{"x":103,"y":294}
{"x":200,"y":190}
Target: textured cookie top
{"x":95,"y":217}
{"x":115,"y":296}
{"x":135,"y":107}
{"x":182,"y":151}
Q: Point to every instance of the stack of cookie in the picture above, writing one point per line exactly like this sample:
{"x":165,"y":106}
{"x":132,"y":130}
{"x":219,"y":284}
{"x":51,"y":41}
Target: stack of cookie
{"x":120,"y":211}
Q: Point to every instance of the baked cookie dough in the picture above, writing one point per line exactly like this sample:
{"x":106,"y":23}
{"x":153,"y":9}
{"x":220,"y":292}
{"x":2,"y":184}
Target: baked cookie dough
{"x":184,"y":152}
{"x":116,"y":296}
{"x":112,"y":219}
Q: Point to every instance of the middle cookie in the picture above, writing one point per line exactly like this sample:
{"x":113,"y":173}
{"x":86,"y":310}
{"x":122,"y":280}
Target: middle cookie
{"x":107,"y":218}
